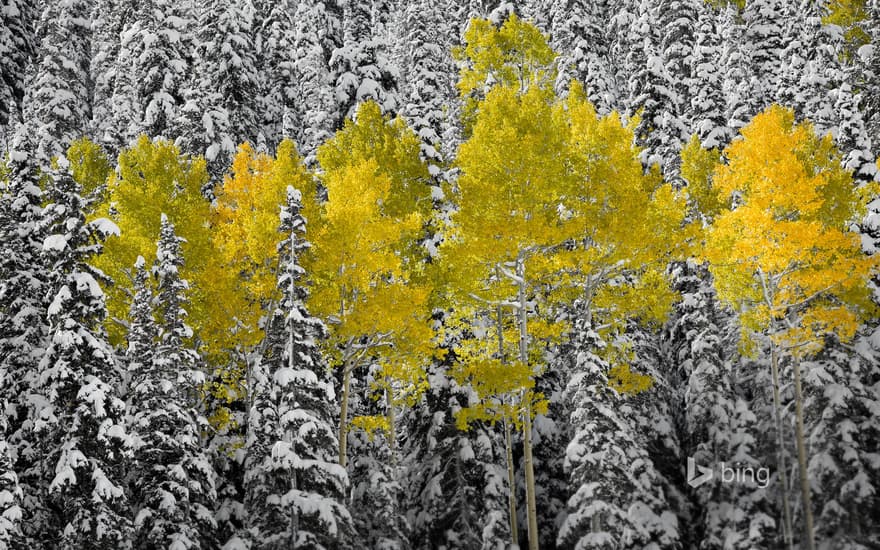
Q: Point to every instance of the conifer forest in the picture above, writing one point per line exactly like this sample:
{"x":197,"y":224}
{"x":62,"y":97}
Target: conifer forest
{"x":439,"y":274}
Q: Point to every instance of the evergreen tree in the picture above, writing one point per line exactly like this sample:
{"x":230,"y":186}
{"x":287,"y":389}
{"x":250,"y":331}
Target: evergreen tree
{"x":454,"y":482}
{"x":220,"y":103}
{"x":578,"y":32}
{"x":57,"y":105}
{"x":10,"y":497}
{"x":719,"y":425}
{"x":16,"y":47}
{"x":361,"y":67}
{"x":147,"y":92}
{"x":616,"y":496}
{"x":24,"y":283}
{"x":312,"y":87}
{"x":707,"y":101}
{"x":764,"y":39}
{"x":739,"y":74}
{"x":109,"y":19}
{"x":429,"y":68}
{"x":173,"y":481}
{"x":652,"y":95}
{"x":294,"y":487}
{"x":841,"y":411}
{"x":79,"y":419}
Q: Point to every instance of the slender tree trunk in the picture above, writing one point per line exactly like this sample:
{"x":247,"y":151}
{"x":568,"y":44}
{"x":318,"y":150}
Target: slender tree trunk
{"x":802,"y":457}
{"x":291,"y":364}
{"x":780,"y":442}
{"x":531,"y":506}
{"x":392,"y":431}
{"x":508,"y":446}
{"x":343,"y":413}
{"x":511,"y":485}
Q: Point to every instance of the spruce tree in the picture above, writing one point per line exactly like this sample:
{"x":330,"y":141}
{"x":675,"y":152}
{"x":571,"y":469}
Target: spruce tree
{"x":152,"y":62}
{"x":109,"y":19}
{"x":57,"y":106}
{"x":294,"y":487}
{"x":16,"y":47}
{"x":10,"y":497}
{"x":707,"y":101}
{"x":173,"y":481}
{"x":361,"y":67}
{"x":220,"y":102}
{"x":616,"y":500}
{"x":79,"y":419}
{"x":578,"y":32}
{"x":841,"y":411}
{"x":310,"y":121}
{"x":429,"y":68}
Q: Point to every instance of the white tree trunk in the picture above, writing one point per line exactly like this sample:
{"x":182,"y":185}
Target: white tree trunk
{"x":531,"y":506}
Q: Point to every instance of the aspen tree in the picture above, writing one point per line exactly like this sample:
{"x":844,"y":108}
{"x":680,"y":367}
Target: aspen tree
{"x":782,"y":254}
{"x":365,"y":263}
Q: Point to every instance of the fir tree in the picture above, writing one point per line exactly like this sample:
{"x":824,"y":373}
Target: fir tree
{"x":220,"y":103}
{"x":361,"y":67}
{"x":311,"y":89}
{"x":109,"y":19}
{"x":841,"y":410}
{"x":24,"y":283}
{"x":707,"y":102}
{"x":578,"y":32}
{"x":79,"y":419}
{"x":173,"y":482}
{"x":615,"y":501}
{"x":653,"y":96}
{"x":10,"y":497}
{"x":57,"y":106}
{"x":429,"y":86}
{"x":294,"y":487}
{"x":16,"y":47}
{"x":147,"y":92}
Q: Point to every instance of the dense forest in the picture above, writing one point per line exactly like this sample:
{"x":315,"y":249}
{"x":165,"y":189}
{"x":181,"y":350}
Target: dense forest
{"x":443,"y":274}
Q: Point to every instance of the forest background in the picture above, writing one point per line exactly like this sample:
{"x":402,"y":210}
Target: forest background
{"x":448,"y":274}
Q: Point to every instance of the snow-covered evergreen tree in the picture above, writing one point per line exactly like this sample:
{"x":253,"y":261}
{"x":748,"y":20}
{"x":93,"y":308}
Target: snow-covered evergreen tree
{"x":764,"y":41}
{"x":652,"y":95}
{"x":742,"y":104}
{"x":430,"y":73}
{"x":24,"y":284}
{"x":109,"y":19}
{"x":16,"y":47}
{"x":707,"y":101}
{"x":842,"y":405}
{"x":454,"y":481}
{"x":294,"y":486}
{"x":10,"y":497}
{"x":315,"y":27}
{"x":579,"y":33}
{"x":79,"y":418}
{"x":718,"y":423}
{"x":617,"y":497}
{"x":220,"y":102}
{"x":152,"y":62}
{"x":172,"y":482}
{"x":362,"y":67}
{"x":57,"y":107}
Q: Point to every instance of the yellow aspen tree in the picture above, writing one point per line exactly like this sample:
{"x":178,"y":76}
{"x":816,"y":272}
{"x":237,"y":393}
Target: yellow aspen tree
{"x":514,"y":175}
{"x":623,"y":227}
{"x":153,"y":178}
{"x":783,"y":254}
{"x":245,"y":226}
{"x":365,"y":263}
